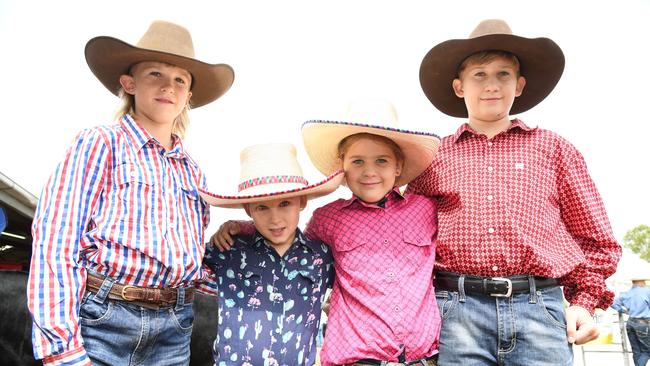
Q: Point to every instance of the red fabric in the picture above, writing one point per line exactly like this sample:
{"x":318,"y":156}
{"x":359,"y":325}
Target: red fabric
{"x":11,"y":267}
{"x":521,"y":203}
{"x":383,"y":301}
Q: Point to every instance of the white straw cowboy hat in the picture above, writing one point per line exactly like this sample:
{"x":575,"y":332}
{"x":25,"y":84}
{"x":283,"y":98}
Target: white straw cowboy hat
{"x":109,"y":57}
{"x":541,"y":61}
{"x":271,"y":171}
{"x":322,"y":138}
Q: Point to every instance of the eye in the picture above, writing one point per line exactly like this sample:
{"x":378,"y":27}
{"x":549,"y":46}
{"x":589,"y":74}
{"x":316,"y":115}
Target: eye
{"x":181,"y":81}
{"x":504,"y":74}
{"x":285,"y":203}
{"x":382,"y":161}
{"x":357,"y":162}
{"x":479,"y":74}
{"x":261,"y":208}
{"x":155,"y":73}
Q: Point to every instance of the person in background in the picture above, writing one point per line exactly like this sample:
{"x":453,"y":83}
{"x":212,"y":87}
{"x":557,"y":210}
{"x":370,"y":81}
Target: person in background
{"x":636,"y":303}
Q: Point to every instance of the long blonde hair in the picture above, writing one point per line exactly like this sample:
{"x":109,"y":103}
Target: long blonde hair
{"x":181,"y":122}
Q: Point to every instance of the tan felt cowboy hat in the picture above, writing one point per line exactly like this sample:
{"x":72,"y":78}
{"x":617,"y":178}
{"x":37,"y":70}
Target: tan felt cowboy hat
{"x":269,"y":172}
{"x":322,"y":138}
{"x":541,"y":60}
{"x":108,"y":58}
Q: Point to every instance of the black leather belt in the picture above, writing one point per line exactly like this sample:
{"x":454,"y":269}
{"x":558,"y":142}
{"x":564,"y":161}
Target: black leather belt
{"x":493,"y":286}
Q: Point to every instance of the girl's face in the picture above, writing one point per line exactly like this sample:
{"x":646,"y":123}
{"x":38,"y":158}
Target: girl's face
{"x":161,"y":91}
{"x":370,"y":169}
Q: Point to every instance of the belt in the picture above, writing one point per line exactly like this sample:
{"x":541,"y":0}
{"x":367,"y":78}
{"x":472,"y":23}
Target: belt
{"x":493,"y":286}
{"x":639,"y":320}
{"x":147,"y":297}
{"x":429,"y":361}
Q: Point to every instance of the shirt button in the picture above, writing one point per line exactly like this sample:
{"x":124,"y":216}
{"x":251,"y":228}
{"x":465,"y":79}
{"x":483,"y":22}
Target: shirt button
{"x":385,"y":241}
{"x":494,"y":268}
{"x":489,"y":143}
{"x":391,"y":274}
{"x":490,"y":197}
{"x":491,"y":230}
{"x":490,"y":169}
{"x":396,"y":308}
{"x":132,"y":173}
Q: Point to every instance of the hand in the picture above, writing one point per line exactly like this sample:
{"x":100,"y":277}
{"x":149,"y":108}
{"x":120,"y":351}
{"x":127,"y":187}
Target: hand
{"x":222,"y":239}
{"x":580,"y":326}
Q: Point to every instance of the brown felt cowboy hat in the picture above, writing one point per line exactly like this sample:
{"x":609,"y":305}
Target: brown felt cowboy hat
{"x":271,"y":171}
{"x":541,"y":61}
{"x":109,"y":58}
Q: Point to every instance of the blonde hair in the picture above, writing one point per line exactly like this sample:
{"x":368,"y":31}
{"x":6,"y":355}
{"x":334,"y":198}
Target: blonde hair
{"x":345,"y":144}
{"x":483,"y":57}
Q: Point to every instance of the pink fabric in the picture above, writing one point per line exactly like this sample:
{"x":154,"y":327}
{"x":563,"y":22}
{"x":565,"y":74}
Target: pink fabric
{"x":383,"y":300}
{"x":521,"y":203}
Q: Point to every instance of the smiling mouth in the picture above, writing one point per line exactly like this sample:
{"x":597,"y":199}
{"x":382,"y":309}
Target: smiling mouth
{"x":163,"y":100}
{"x":277,"y":232}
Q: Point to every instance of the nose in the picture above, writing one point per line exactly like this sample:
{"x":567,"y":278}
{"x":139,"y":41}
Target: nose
{"x":166,"y":85}
{"x":492,"y":84}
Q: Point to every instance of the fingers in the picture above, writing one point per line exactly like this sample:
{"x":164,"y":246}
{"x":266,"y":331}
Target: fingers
{"x":223,"y":238}
{"x":581,"y":327}
{"x":586,"y":333}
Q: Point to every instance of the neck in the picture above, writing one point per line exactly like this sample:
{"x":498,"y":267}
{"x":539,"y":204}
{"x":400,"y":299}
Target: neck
{"x":490,"y":128}
{"x":162,"y":132}
{"x":281,"y":249}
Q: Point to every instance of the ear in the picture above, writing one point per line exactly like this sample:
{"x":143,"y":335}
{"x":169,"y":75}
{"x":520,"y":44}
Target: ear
{"x":398,"y":168}
{"x":303,"y":202}
{"x":457,"y":85}
{"x":521,"y":82}
{"x":128,"y":84}
{"x":247,"y":208}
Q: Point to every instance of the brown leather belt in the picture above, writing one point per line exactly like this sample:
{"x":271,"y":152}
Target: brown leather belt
{"x":429,"y":361}
{"x":147,"y":297}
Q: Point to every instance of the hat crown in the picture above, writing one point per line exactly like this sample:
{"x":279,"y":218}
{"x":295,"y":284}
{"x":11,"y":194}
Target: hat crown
{"x":270,"y":168}
{"x":373,"y":112}
{"x":168,"y":37}
{"x":490,"y":26}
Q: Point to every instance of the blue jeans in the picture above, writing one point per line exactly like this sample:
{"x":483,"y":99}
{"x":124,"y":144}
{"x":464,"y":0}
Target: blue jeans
{"x":523,"y":329}
{"x":119,"y":333}
{"x":639,"y":335}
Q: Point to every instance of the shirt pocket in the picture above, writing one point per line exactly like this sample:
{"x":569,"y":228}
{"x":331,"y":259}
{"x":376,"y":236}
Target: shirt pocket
{"x":251,"y":287}
{"x":309,"y":283}
{"x":135,"y":193}
{"x":418,"y":246}
{"x":351,"y":253}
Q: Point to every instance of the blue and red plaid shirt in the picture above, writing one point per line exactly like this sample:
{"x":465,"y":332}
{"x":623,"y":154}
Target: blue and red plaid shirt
{"x":120,"y":205}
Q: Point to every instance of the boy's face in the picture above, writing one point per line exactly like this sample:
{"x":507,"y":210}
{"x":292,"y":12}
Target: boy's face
{"x":161,"y":91}
{"x":277,"y":219}
{"x":370,"y":169}
{"x":489,"y":89}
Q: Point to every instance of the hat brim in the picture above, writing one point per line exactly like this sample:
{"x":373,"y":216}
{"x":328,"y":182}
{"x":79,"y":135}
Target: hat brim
{"x":322,"y":138}
{"x":541,"y":61}
{"x":324,"y":187}
{"x":109,"y":58}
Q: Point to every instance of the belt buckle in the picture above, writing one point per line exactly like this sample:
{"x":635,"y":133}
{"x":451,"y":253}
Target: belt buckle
{"x":508,"y":283}
{"x":123,"y":293}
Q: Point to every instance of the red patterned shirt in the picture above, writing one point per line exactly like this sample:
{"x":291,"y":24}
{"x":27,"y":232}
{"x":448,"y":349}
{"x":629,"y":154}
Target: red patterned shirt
{"x":383,"y":302}
{"x":521,"y":203}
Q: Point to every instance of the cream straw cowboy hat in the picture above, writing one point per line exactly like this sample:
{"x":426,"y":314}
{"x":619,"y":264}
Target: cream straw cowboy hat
{"x":271,"y":171}
{"x":541,"y":61}
{"x":109,"y":58}
{"x":322,"y":138}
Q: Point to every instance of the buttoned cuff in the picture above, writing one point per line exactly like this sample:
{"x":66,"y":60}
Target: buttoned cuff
{"x":73,"y":357}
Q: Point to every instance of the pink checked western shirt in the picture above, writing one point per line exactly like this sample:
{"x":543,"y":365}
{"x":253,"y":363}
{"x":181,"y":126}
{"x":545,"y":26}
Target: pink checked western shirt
{"x":122,"y":206}
{"x":383,"y":302}
{"x":521,"y":203}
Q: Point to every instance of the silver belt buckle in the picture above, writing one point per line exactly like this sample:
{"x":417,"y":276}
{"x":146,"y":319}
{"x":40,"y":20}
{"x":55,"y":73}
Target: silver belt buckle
{"x":508,"y":282}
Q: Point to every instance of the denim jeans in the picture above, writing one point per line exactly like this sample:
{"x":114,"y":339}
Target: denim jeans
{"x":639,"y":335}
{"x":119,"y":333}
{"x":523,"y":329}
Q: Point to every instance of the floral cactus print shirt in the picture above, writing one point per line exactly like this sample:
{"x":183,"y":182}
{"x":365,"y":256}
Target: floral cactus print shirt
{"x":269,"y":306}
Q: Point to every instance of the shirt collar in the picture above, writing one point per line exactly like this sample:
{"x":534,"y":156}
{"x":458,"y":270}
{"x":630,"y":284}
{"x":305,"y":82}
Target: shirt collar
{"x":392,"y":195}
{"x":300,"y":239}
{"x":140,"y":137}
{"x":516,"y":123}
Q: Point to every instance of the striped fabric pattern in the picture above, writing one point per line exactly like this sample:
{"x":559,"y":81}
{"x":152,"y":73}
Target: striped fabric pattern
{"x":122,"y":206}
